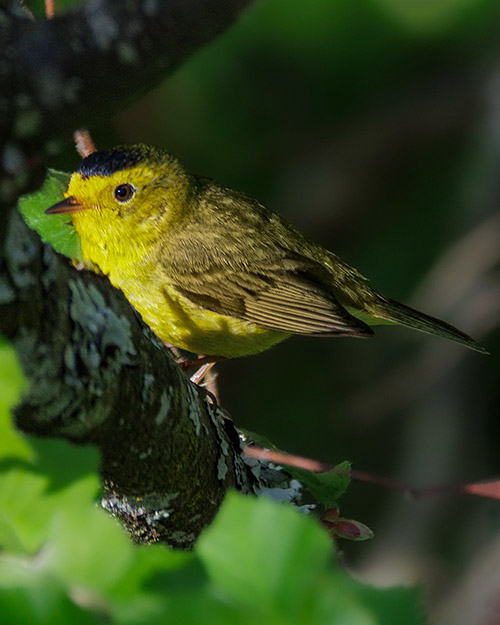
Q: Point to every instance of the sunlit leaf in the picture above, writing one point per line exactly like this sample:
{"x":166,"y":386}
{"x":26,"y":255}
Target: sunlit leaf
{"x":12,"y":383}
{"x":54,"y":229}
{"x":325,"y":487}
{"x":427,"y":15}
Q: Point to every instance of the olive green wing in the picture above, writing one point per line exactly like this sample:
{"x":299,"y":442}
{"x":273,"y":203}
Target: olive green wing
{"x":285,"y":299}
{"x":234,"y":257}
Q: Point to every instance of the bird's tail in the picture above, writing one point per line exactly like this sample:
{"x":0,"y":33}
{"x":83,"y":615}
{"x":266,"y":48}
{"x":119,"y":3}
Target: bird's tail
{"x":394,"y":312}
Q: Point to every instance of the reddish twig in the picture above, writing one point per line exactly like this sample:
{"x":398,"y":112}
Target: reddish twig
{"x":49,"y":9}
{"x":270,"y":455}
{"x":490,"y":490}
{"x":83,"y":142}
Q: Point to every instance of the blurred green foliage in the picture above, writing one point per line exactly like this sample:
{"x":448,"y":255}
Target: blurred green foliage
{"x":63,"y":559}
{"x":373,"y":125}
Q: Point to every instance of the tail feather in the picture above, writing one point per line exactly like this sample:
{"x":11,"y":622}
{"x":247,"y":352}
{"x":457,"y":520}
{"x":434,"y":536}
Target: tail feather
{"x":394,"y":312}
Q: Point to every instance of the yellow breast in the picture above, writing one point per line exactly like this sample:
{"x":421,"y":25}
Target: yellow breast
{"x":172,"y":317}
{"x":175,"y":320}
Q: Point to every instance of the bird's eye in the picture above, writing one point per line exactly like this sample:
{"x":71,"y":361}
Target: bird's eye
{"x":124,"y":192}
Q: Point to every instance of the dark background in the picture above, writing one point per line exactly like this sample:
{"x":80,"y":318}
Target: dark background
{"x":375,"y":127}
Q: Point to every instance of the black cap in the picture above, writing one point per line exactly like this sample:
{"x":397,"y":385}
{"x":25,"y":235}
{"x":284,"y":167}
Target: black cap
{"x":108,"y":162}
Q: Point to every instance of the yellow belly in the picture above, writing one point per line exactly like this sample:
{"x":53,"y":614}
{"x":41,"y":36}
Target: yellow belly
{"x":175,"y":320}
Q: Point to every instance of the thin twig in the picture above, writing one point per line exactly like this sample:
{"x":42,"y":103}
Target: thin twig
{"x":49,"y":9}
{"x":490,"y":489}
{"x":83,"y":142}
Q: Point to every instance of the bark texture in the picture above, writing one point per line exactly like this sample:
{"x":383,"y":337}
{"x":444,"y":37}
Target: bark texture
{"x":99,"y":376}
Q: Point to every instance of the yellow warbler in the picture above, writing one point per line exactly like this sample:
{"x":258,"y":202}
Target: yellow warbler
{"x":210,"y":269}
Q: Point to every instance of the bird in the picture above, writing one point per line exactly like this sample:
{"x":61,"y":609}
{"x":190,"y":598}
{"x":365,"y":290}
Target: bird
{"x":213,"y":271}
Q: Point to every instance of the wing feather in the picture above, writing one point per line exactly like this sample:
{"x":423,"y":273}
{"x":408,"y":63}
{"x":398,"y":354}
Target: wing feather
{"x":285,"y":304}
{"x":244,"y":261}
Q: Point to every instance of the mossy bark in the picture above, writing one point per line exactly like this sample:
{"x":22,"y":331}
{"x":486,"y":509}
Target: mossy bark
{"x":97,"y":375}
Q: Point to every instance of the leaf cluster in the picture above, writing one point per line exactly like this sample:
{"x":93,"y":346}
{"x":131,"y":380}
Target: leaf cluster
{"x":63,"y":559}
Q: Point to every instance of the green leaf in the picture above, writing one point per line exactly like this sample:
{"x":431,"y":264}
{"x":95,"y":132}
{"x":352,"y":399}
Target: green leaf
{"x":327,"y":487}
{"x":24,"y":511}
{"x":54,"y":229}
{"x":262,"y":553}
{"x":12,"y":383}
{"x":428,"y":15}
{"x":264,"y":563}
{"x":101,"y":539}
{"x":43,"y":603}
{"x":394,"y":606}
{"x":278,"y":566}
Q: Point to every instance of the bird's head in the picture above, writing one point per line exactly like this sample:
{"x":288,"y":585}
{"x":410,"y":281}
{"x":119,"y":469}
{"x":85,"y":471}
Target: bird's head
{"x":126,"y":194}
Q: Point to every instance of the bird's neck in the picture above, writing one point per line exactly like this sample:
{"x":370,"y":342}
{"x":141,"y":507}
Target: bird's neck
{"x":109,"y":247}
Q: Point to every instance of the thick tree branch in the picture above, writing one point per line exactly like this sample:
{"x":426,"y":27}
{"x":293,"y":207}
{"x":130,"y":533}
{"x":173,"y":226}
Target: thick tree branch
{"x":99,"y":376}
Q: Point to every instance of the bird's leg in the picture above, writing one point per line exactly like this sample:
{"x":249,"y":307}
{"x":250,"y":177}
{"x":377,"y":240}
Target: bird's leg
{"x":211,"y":383}
{"x":209,"y":389}
{"x":202,"y":372}
{"x":205,"y":374}
{"x":190,"y":363}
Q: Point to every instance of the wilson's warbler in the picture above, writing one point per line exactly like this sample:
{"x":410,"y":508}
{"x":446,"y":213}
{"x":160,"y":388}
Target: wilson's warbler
{"x":211,"y":270}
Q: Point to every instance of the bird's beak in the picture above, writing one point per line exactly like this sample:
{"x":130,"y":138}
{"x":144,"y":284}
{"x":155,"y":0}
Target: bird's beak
{"x":68,"y":205}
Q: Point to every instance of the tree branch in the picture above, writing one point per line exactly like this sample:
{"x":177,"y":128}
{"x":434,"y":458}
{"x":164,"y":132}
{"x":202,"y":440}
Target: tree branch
{"x":99,"y":376}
